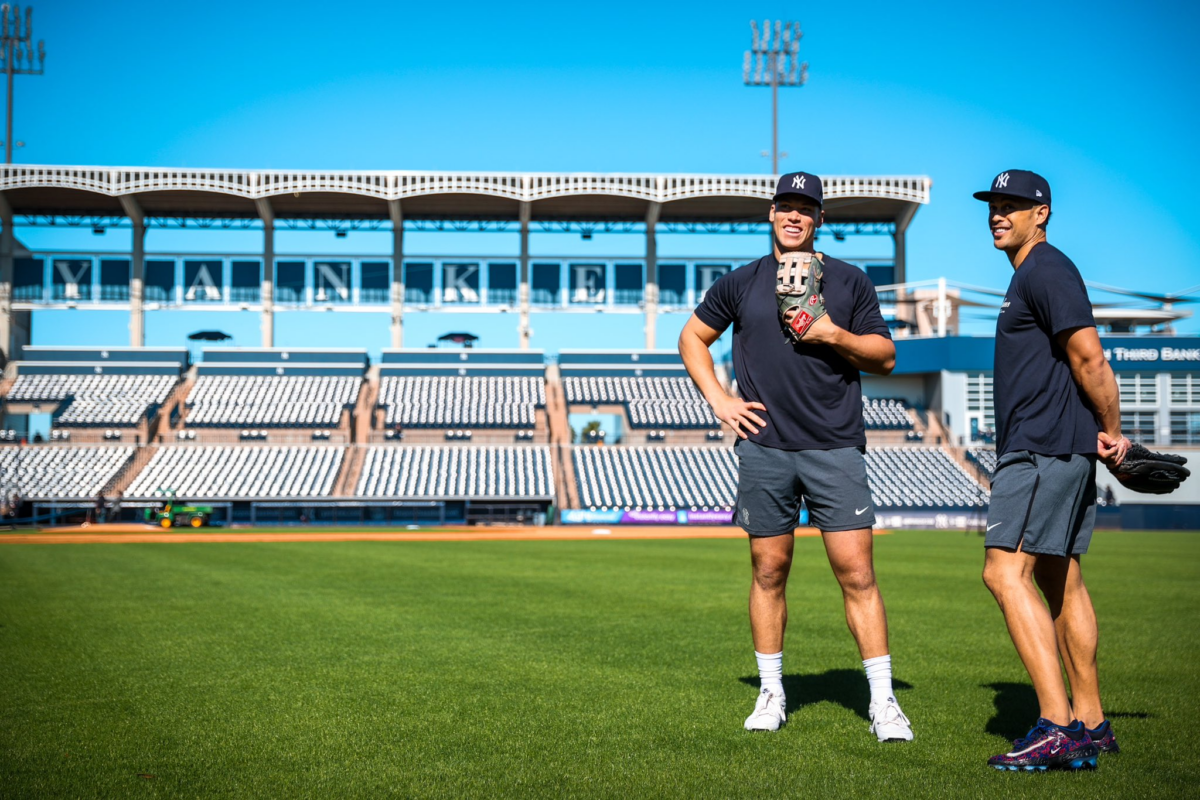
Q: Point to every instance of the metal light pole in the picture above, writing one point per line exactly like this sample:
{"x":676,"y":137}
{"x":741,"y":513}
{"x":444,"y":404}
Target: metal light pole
{"x":774,"y":61}
{"x":17,"y":43}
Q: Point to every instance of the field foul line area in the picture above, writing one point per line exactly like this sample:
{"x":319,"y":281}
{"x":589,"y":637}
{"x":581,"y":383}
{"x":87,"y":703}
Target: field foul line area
{"x":139,"y":534}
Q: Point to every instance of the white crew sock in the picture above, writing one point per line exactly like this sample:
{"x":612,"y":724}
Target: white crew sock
{"x":879,"y":675}
{"x":770,"y":671}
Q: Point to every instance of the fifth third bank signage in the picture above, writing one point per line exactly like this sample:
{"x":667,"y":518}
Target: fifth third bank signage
{"x":1170,"y":354}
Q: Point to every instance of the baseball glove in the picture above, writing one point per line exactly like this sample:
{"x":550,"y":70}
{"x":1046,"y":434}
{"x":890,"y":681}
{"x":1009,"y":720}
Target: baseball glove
{"x":798,"y":292}
{"x":1151,"y":473}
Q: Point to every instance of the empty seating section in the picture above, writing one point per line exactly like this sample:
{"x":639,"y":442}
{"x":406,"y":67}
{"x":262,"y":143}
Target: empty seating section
{"x":701,"y":478}
{"x":436,"y":401}
{"x":652,"y":402}
{"x":921,"y":477}
{"x":456,"y":472}
{"x":273,"y":401}
{"x":96,"y":400}
{"x":886,"y":414}
{"x":984,"y":458}
{"x":60,"y":473}
{"x":240,"y":472}
{"x":671,"y":414}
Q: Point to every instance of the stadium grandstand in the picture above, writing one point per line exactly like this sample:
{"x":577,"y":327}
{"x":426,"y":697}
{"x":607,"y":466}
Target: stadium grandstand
{"x":387,"y":435}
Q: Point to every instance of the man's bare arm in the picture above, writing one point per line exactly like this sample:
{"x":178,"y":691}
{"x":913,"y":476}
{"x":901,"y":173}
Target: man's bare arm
{"x":1092,"y":373}
{"x":869,"y":353}
{"x":694,"y":341}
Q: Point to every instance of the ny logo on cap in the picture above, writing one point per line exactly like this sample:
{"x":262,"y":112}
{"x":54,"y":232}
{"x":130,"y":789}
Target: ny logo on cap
{"x":798,"y":182}
{"x":1001,"y":180}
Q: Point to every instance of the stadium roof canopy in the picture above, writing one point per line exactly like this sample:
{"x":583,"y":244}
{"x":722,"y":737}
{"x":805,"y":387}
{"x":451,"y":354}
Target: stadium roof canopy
{"x":47,"y":193}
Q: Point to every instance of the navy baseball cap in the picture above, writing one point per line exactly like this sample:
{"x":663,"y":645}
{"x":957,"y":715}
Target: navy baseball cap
{"x":1018,"y":183}
{"x":802,"y":183}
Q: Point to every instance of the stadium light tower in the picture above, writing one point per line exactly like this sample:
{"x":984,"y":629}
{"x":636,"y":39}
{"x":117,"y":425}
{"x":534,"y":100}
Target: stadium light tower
{"x":16,"y":41}
{"x":774,"y":60}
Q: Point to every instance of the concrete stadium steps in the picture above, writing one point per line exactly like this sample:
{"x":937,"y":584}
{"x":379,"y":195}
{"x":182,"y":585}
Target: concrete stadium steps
{"x":177,"y":404}
{"x":363,"y":421}
{"x":959,"y":454}
{"x":120,"y":482}
{"x":556,"y":407}
{"x":161,"y":428}
{"x":564,"y":471}
{"x":350,"y":471}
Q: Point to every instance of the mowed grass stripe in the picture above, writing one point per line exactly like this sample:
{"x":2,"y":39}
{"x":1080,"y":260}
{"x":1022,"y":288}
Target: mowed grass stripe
{"x":535,"y":668}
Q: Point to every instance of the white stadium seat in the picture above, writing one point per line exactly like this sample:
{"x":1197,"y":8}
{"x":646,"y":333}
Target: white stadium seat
{"x":436,"y":401}
{"x":652,"y":402}
{"x":704,"y":478}
{"x":667,"y":478}
{"x":96,"y":400}
{"x":240,"y":472}
{"x":456,"y":472}
{"x":51,"y":472}
{"x":277,"y":401}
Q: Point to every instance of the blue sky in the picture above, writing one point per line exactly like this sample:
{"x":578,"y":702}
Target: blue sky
{"x":1099,"y":97}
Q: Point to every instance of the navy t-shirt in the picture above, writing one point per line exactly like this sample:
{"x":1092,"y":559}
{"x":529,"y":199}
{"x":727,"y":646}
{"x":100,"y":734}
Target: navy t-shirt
{"x":813,"y":395}
{"x":1038,"y":406}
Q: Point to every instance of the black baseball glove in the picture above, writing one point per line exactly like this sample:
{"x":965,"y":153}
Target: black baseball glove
{"x":1151,"y":473}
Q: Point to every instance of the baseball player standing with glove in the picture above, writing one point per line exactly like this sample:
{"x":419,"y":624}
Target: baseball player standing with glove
{"x":804,"y":325}
{"x":1057,"y":411}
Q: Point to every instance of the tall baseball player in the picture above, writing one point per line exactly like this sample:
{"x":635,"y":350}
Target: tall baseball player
{"x":803,"y":327}
{"x":1057,"y":411}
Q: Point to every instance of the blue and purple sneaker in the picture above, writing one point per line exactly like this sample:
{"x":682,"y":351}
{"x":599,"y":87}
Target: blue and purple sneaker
{"x":1050,"y":746}
{"x":1105,"y":739}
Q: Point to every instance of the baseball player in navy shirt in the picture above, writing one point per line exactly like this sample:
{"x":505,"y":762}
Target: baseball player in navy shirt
{"x":801,"y":434}
{"x":1057,"y":412}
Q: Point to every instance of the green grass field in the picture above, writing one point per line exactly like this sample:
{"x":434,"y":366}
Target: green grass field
{"x":588,"y":669}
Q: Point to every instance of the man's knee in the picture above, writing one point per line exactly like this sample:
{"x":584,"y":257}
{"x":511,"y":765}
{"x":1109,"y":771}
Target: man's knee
{"x":771,"y":573}
{"x":857,"y":580}
{"x":1002,"y":576}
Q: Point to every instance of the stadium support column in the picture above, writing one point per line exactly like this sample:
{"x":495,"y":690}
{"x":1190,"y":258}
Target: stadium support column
{"x":652,"y":274}
{"x":267,"y":284}
{"x":7,"y":244}
{"x":397,"y":215}
{"x":137,"y":277}
{"x":899,"y":260}
{"x":523,"y":285}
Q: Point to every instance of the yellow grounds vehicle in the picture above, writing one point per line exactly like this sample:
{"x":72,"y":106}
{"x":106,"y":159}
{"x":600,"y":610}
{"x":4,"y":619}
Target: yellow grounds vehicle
{"x":169,"y":514}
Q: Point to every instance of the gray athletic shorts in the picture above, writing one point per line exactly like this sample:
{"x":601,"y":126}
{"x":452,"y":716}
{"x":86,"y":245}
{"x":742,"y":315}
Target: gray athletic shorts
{"x":771,"y":482}
{"x":1044,"y":504}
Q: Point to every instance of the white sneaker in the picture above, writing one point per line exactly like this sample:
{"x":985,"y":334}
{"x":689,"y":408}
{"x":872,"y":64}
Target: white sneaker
{"x":768,"y":712}
{"x":888,"y":722}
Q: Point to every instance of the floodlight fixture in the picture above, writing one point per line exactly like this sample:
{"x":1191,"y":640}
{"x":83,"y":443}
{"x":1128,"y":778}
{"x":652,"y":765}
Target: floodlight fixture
{"x":774,"y":60}
{"x":19,"y":58}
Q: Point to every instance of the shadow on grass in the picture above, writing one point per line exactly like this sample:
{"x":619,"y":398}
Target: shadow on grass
{"x":1017,"y":709}
{"x":846,"y":687}
{"x":1129,"y":715}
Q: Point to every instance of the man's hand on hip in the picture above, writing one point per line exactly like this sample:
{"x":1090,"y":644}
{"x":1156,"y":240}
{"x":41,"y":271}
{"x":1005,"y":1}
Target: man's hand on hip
{"x":738,"y":414}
